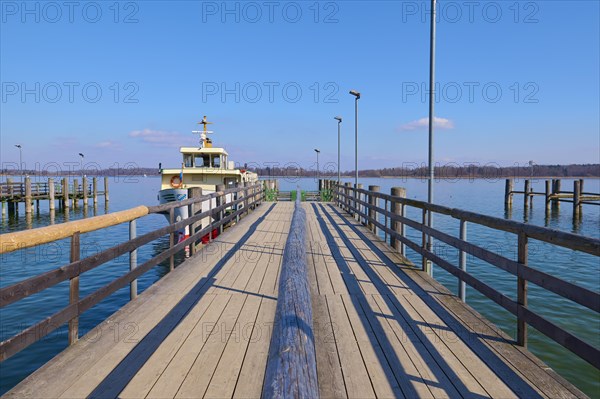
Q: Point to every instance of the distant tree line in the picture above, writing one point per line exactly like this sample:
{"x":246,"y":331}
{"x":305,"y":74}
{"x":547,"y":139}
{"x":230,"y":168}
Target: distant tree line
{"x":489,"y":171}
{"x":329,"y":170}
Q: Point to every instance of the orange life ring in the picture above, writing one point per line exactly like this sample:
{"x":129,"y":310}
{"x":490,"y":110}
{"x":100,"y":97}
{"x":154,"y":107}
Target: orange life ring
{"x":176,"y":185}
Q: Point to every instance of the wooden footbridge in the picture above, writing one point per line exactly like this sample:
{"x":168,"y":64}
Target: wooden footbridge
{"x":297,"y":300}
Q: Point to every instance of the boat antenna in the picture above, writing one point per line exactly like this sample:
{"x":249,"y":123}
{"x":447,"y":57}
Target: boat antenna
{"x":203,"y":133}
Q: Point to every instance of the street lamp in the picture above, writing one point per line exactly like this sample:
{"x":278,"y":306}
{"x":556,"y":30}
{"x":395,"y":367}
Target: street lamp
{"x":81,"y":164}
{"x":20,"y":158}
{"x":356,"y":97}
{"x":339,"y":119}
{"x":431,"y":120}
{"x":318,"y":185}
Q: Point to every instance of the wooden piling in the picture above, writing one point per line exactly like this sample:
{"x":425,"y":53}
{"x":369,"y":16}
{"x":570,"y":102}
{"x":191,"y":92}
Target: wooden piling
{"x":65,"y":193}
{"x":508,"y":196}
{"x":28,"y":200}
{"x":526,"y":191}
{"x":84,"y":187}
{"x":51,"y":203}
{"x":106,"y":189}
{"x":373,"y":203}
{"x":397,"y":209}
{"x":556,"y":190}
{"x":548,"y":195}
{"x":11,"y":203}
{"x":75,"y":193}
{"x":95,"y":190}
{"x":576,"y":198}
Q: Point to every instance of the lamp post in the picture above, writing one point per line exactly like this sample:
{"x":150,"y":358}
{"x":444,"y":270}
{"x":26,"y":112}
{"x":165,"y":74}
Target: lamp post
{"x":356,"y":97}
{"x":339,"y":119}
{"x":431,"y":120}
{"x":20,"y":158}
{"x":318,"y":185}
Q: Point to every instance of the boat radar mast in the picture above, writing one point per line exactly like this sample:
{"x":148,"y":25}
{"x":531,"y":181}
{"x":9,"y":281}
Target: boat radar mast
{"x":205,"y":142}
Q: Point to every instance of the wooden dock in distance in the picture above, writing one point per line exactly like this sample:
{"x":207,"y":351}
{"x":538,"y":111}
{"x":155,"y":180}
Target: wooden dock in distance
{"x":381,"y":327}
{"x":67,"y":195}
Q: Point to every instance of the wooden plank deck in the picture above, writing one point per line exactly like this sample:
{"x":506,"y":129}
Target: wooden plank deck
{"x":382,"y":329}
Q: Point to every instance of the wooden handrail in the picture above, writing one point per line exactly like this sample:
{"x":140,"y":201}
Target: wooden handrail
{"x":525,"y":316}
{"x":77,"y":267}
{"x":10,"y":242}
{"x":564,"y":239}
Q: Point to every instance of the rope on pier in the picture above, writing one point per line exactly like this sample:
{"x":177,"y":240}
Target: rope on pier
{"x":291,"y":366}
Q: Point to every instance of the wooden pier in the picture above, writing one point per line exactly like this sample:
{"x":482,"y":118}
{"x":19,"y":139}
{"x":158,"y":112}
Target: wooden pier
{"x":67,"y":195}
{"x":298,"y":299}
{"x":553,"y":195}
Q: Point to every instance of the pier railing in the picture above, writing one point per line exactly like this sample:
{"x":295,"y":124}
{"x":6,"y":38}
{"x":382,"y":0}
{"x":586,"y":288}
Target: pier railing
{"x":364,"y":205}
{"x":238,"y":201}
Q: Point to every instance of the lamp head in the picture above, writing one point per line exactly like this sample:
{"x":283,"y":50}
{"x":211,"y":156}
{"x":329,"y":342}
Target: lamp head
{"x":317,"y":151}
{"x":18,"y":146}
{"x":81,"y":155}
{"x":355,"y":94}
{"x":338,"y":118}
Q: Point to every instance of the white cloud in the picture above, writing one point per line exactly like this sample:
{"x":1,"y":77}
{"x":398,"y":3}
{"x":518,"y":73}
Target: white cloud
{"x":438,"y":123}
{"x":108,"y":144}
{"x":163,"y":138}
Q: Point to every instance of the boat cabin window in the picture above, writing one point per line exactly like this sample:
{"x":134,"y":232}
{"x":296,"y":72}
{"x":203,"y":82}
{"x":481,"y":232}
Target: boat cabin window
{"x":217,"y":161}
{"x":202,"y":161}
{"x":187,"y":160}
{"x":229,"y":182}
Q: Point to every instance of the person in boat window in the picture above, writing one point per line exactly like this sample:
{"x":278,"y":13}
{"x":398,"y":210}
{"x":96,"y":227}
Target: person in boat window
{"x":217,"y":162}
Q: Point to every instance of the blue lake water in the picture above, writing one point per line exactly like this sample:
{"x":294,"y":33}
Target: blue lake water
{"x":479,"y":195}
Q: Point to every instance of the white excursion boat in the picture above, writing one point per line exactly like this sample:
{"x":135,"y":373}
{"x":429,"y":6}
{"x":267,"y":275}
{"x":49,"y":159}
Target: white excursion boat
{"x":205,"y":167}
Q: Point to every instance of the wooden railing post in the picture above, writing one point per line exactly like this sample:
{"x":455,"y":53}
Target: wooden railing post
{"x":221,"y":200}
{"x":171,"y":239}
{"x":194,"y":192}
{"x":133,"y":260}
{"x":508,"y":196}
{"x":357,"y":197}
{"x":347,"y":198}
{"x":397,"y":209}
{"x":28,"y":199}
{"x":424,"y":244}
{"x":462,"y":262}
{"x":372,"y":205}
{"x":74,"y":288}
{"x":522,"y":290}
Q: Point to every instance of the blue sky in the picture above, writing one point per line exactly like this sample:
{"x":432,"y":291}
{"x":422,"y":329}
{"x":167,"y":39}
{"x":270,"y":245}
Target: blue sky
{"x":518,"y":81}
